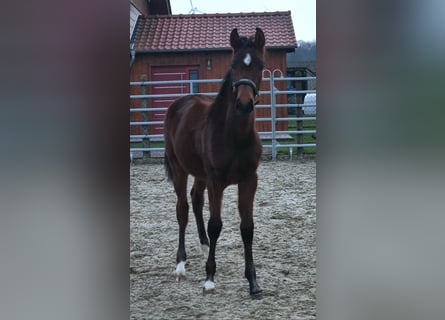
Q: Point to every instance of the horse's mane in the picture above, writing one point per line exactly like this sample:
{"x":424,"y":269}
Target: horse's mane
{"x":226,"y":85}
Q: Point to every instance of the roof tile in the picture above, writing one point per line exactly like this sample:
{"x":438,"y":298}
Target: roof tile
{"x":211,"y":31}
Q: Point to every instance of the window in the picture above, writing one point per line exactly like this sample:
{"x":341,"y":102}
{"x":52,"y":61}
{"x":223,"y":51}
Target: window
{"x":193,"y":75}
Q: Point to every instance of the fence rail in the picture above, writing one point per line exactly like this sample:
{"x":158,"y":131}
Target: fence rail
{"x":299,"y":135}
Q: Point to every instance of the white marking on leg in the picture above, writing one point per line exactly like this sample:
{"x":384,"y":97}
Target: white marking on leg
{"x":180,"y":270}
{"x":205,"y":254}
{"x":205,"y":250}
{"x":209,"y":285}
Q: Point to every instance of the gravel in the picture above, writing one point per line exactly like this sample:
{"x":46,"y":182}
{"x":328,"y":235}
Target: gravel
{"x":284,"y":249}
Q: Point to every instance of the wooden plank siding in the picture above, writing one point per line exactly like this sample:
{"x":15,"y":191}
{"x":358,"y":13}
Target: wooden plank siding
{"x":134,"y":14}
{"x":220,"y":61}
{"x":141,"y":6}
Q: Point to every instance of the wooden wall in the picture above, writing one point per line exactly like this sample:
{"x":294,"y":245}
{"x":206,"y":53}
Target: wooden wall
{"x":220,"y":62}
{"x":141,"y":5}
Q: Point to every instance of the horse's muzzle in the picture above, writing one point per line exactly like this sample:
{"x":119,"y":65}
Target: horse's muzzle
{"x":244,"y":108}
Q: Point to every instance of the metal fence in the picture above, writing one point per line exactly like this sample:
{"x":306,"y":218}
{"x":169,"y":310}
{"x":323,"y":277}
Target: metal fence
{"x":301,"y":117}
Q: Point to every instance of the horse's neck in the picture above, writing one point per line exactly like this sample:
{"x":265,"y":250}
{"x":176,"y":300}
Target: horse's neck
{"x":236,"y":129}
{"x":224,"y":100}
{"x":239,"y":131}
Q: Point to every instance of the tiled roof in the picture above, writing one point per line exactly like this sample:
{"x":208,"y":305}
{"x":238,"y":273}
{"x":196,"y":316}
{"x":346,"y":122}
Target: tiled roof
{"x":192,"y":32}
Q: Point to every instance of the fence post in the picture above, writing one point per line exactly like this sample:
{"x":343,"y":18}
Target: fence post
{"x":300,"y":85}
{"x":300,"y":139}
{"x":273,"y":116}
{"x":145,"y":117}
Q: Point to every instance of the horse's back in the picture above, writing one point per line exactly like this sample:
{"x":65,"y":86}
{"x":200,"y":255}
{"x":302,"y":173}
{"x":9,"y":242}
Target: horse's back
{"x":186,"y":108}
{"x":183,"y":127}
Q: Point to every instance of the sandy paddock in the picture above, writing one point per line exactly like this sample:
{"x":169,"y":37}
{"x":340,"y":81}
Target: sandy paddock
{"x":284,"y":249}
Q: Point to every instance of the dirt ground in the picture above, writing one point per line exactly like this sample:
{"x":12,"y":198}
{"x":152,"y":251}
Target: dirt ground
{"x":284,"y":249}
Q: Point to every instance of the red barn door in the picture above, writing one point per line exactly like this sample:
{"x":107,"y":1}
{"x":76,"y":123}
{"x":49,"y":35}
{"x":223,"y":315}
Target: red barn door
{"x":168,"y":74}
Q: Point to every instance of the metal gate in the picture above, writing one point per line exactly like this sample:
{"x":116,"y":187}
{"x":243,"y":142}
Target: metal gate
{"x":150,"y":103}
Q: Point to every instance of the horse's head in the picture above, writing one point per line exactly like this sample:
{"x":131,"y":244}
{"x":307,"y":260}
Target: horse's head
{"x":247,"y":67}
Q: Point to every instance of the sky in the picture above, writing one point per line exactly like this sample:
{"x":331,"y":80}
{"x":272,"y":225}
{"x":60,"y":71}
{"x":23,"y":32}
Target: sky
{"x":303,"y":12}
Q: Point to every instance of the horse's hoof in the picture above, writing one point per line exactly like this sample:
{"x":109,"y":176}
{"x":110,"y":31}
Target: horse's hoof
{"x":180,"y":271}
{"x":209,"y":287}
{"x":256,"y":296}
{"x":256,"y":292}
{"x":179,"y":277}
{"x":205,"y":292}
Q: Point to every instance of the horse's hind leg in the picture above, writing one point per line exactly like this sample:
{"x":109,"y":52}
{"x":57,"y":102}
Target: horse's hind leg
{"x":182,"y":209}
{"x":197,"y":195}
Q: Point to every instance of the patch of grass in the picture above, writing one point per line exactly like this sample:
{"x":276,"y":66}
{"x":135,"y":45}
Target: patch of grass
{"x":307,"y":138}
{"x":152,"y":144}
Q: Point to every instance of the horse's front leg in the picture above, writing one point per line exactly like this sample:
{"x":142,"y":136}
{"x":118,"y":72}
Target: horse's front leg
{"x":246,"y":194}
{"x":215,"y":192}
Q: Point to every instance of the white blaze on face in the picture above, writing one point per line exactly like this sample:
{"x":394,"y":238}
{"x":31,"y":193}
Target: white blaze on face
{"x":247,"y":59}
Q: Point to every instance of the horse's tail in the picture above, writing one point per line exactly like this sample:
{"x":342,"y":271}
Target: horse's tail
{"x":168,"y":169}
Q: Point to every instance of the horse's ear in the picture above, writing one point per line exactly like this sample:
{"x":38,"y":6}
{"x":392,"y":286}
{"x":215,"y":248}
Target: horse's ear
{"x":260,"y":40}
{"x":234,"y":39}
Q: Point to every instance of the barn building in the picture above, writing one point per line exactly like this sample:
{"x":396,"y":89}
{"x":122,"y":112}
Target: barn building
{"x":196,"y":46}
{"x":145,"y":8}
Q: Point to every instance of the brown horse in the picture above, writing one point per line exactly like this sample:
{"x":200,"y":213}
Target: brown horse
{"x":215,"y":141}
